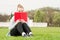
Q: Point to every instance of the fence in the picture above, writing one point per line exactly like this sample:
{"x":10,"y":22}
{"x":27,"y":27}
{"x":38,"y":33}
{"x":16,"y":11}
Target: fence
{"x":31,"y":24}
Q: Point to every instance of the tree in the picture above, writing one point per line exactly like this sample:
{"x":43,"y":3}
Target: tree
{"x":39,"y":16}
{"x":4,"y":18}
{"x":56,"y":19}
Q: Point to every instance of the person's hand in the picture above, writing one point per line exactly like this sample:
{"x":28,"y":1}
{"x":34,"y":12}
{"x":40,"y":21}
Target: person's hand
{"x":23,"y":21}
{"x":18,"y":21}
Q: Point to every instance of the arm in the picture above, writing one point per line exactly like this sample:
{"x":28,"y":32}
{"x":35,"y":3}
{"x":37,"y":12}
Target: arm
{"x":13,"y":23}
{"x":10,"y":26}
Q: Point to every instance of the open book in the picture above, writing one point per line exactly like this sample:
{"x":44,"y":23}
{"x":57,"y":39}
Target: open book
{"x":20,"y":15}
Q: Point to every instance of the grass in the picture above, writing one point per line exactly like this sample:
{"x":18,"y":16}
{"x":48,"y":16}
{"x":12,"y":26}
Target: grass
{"x":48,"y":33}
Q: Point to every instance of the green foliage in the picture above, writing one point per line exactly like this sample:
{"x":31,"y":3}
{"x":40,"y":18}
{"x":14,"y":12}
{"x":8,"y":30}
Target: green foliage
{"x":49,"y":15}
{"x":11,"y":16}
{"x":56,"y":19}
{"x":39,"y":16}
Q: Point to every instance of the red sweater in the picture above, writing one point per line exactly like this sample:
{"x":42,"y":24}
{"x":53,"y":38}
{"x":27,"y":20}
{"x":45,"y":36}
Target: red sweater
{"x":20,"y":15}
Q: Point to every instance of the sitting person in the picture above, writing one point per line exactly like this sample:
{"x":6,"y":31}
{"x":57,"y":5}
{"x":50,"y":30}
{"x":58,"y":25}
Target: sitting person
{"x":19,"y":27}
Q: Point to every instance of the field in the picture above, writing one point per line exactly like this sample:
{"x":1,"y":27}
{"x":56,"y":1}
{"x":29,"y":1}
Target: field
{"x":48,"y":33}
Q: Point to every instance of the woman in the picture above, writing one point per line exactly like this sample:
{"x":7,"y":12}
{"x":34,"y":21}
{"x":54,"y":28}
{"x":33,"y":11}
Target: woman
{"x":20,"y":27}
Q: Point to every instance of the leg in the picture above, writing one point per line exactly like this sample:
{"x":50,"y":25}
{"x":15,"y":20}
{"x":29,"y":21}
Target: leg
{"x":14,"y":32}
{"x":20,"y":29}
{"x":17,"y":30}
{"x":26,"y":28}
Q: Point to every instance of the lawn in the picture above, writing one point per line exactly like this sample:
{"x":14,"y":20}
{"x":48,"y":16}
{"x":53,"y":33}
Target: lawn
{"x":48,"y":33}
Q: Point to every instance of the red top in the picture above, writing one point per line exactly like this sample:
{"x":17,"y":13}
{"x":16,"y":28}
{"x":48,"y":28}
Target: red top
{"x":20,"y":15}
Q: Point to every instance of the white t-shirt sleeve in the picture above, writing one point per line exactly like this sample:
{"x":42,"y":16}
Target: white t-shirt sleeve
{"x":27,"y":21}
{"x":11,"y":23}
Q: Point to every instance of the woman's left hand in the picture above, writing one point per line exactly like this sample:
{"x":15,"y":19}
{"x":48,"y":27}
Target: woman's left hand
{"x":23,"y":21}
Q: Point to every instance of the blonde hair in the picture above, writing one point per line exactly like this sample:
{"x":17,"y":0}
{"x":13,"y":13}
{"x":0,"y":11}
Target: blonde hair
{"x":19,"y":6}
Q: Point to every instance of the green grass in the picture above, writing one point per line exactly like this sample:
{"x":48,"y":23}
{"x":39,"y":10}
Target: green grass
{"x":48,"y":33}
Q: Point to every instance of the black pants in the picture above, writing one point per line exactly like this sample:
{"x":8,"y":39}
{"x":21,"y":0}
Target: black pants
{"x":19,"y":28}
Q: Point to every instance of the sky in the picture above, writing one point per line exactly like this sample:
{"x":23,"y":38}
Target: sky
{"x":10,"y":5}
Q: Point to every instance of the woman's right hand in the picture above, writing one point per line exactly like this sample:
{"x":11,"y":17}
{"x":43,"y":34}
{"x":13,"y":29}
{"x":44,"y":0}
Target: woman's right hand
{"x":23,"y":21}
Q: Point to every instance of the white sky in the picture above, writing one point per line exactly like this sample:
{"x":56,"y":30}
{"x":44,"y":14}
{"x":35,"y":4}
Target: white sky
{"x":10,"y":5}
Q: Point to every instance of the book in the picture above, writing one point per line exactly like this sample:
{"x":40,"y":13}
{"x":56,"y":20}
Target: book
{"x":20,"y":15}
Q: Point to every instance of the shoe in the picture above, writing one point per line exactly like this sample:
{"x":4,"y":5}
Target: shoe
{"x":30,"y":35}
{"x":24,"y":34}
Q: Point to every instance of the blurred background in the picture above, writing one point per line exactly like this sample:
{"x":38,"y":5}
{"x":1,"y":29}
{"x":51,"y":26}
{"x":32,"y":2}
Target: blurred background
{"x":41,"y":13}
